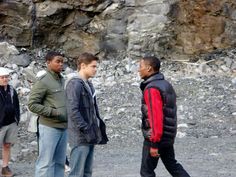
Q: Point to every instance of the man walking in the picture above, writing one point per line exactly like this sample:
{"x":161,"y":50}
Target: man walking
{"x":85,"y":126}
{"x":159,"y":120}
{"x":47,"y":99}
{"x":9,"y":119}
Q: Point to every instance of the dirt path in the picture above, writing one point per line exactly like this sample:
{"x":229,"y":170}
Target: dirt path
{"x":202,"y":157}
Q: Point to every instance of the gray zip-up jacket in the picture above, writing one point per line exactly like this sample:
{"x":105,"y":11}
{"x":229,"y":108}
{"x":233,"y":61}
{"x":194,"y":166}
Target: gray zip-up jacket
{"x":83,"y":114}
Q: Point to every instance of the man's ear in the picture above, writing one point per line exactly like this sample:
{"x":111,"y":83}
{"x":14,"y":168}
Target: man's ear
{"x":82,"y":66}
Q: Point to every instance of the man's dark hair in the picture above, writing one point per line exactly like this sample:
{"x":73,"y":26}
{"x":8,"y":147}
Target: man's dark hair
{"x":50,"y":55}
{"x":154,"y":62}
{"x":86,"y":58}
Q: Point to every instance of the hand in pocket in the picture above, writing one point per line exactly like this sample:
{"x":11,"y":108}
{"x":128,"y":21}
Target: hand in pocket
{"x":90,"y":135}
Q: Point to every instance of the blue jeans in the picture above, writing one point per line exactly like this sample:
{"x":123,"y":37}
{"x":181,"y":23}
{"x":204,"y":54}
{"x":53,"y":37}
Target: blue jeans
{"x":52,"y":152}
{"x":81,"y":161}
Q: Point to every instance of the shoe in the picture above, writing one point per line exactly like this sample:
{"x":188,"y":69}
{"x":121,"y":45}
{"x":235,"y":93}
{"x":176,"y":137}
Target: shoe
{"x":6,"y":172}
{"x":67,"y":168}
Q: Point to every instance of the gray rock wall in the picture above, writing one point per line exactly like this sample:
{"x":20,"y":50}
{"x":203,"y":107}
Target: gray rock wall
{"x":146,"y":26}
{"x":118,"y":28}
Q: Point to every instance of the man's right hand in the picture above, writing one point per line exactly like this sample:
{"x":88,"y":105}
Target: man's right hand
{"x":154,"y":152}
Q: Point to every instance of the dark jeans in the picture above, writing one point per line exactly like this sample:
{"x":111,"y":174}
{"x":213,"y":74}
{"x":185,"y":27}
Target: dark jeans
{"x":167,"y":156}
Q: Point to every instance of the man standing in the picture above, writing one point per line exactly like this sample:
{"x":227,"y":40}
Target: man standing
{"x":47,"y":99}
{"x":9,"y":119}
{"x":85,"y":126}
{"x":159,"y":120}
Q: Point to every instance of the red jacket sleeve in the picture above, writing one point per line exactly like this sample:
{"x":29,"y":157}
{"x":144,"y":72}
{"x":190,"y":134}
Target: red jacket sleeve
{"x":154,"y":104}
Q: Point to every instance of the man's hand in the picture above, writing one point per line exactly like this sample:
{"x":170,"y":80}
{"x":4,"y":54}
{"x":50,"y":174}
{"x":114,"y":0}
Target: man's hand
{"x":154,"y":152}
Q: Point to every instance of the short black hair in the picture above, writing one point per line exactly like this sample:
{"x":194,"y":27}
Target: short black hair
{"x":86,"y":58}
{"x":153,"y":61}
{"x":50,"y":55}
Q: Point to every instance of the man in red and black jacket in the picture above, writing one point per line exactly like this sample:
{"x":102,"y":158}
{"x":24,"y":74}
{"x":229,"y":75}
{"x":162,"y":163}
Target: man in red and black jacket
{"x":159,"y":120}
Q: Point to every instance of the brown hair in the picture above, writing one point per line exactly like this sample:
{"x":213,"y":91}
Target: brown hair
{"x":86,"y":58}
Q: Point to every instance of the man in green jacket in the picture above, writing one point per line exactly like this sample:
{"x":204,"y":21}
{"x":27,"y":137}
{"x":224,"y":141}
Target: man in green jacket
{"x":47,"y":99}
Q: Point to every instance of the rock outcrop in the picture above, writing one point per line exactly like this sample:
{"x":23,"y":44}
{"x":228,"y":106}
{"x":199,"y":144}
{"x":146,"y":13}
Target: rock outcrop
{"x":118,"y":28}
{"x":203,"y":26}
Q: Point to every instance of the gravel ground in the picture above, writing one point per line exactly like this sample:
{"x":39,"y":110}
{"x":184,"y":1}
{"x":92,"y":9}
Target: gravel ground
{"x":206,"y":139}
{"x":201,"y":157}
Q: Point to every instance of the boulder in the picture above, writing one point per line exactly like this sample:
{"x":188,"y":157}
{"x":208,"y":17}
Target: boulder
{"x":6,"y":52}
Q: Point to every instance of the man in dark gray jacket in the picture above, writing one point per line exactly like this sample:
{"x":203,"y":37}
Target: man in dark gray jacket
{"x":85,"y":127}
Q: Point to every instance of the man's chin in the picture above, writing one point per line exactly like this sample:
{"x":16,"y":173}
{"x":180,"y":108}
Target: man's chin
{"x":92,"y":76}
{"x":59,"y":71}
{"x":141,"y":77}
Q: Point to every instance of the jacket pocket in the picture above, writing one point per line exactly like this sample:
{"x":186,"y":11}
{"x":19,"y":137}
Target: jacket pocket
{"x":90,"y":134}
{"x":62,"y":113}
{"x":59,"y":113}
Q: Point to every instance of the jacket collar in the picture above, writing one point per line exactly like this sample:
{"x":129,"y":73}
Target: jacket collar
{"x":3,"y":92}
{"x":155,"y":76}
{"x":55,"y":75}
{"x":86,"y":83}
{"x":3,"y":89}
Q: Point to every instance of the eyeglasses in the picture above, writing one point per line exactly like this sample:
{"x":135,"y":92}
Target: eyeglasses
{"x":4,"y":77}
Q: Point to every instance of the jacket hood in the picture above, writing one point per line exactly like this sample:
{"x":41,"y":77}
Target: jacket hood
{"x":70,"y":77}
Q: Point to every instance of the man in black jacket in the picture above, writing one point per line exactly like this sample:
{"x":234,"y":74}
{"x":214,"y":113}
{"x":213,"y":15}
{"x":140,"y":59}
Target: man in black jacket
{"x":9,"y":118}
{"x":159,"y":120}
{"x":85,"y":126}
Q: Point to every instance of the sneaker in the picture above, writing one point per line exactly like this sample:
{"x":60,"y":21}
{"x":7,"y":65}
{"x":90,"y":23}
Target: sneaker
{"x":67,"y":168}
{"x":6,"y":172}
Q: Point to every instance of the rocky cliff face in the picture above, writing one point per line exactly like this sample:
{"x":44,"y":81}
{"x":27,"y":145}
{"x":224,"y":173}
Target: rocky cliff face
{"x":204,"y":25}
{"x":118,"y":28}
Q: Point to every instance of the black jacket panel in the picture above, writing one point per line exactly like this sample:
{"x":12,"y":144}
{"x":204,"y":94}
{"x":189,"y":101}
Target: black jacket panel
{"x":9,"y":104}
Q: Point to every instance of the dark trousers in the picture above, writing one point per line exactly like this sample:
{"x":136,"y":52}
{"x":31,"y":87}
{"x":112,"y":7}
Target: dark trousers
{"x":167,"y":156}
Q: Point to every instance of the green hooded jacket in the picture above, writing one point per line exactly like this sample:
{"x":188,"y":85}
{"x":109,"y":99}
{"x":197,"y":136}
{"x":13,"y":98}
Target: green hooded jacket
{"x":47,"y":99}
